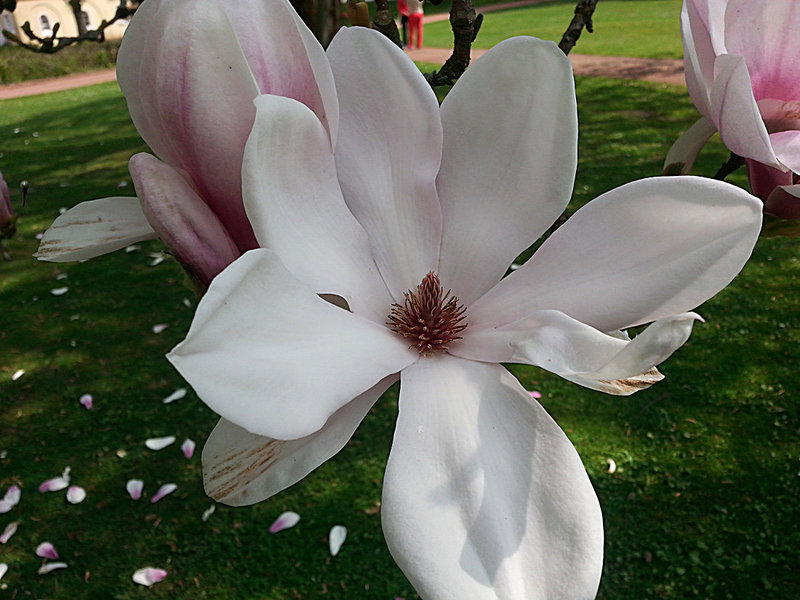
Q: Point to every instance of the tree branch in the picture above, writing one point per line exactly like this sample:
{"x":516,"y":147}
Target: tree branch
{"x":583,"y":18}
{"x":465,"y":24}
{"x":729,"y":166}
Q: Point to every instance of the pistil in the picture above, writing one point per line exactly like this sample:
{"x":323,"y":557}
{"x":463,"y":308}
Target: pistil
{"x":429,"y":317}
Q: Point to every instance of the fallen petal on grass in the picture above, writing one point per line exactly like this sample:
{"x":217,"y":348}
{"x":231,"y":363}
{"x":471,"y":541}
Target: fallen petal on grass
{"x":160,"y":327}
{"x":59,"y":291}
{"x":176,"y":395}
{"x":46,"y":550}
{"x":86,"y":401}
{"x":164,"y":490}
{"x":535,"y":394}
{"x":10,"y":530}
{"x":75,"y":494}
{"x":159,"y":443}
{"x":3,"y":569}
{"x":612,"y":466}
{"x":134,"y":488}
{"x":188,"y":448}
{"x":148,"y":576}
{"x":208,"y":512}
{"x":286,"y":520}
{"x":12,"y":495}
{"x":56,"y":484}
{"x":336,"y":538}
{"x":17,"y":374}
{"x":47,"y":567}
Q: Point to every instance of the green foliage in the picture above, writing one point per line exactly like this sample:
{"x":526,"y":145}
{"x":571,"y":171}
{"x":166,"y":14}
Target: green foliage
{"x":640,"y":28}
{"x":18,"y":64}
{"x":703,"y":503}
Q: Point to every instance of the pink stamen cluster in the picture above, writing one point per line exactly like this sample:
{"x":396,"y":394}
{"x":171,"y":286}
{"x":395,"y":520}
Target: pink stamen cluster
{"x":430,"y":318}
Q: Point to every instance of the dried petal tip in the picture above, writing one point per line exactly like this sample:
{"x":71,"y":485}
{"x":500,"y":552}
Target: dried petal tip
{"x":429,"y":318}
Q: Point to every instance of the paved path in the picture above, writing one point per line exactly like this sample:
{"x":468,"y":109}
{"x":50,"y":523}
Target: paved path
{"x":663,"y":71}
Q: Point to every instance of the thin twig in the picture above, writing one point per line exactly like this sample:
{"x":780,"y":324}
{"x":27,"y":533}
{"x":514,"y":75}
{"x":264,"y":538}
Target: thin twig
{"x":583,"y":18}
{"x":465,"y":24}
{"x":729,"y":166}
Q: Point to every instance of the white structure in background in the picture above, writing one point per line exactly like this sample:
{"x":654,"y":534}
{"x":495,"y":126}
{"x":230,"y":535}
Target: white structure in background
{"x":44,"y":14}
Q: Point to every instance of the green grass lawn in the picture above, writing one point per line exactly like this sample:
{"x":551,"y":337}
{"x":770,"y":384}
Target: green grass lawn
{"x":703,"y":503}
{"x":640,"y":28}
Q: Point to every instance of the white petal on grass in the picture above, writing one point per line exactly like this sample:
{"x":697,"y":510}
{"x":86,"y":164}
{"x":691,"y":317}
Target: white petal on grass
{"x":59,"y":291}
{"x":17,"y":374}
{"x":158,"y":328}
{"x":3,"y":569}
{"x":134,"y":488}
{"x":87,"y":401}
{"x":56,"y":484}
{"x":46,"y":550}
{"x":132,"y":248}
{"x":75,"y":494}
{"x":148,"y":576}
{"x":336,"y":538}
{"x":164,"y":490}
{"x":157,"y":260}
{"x":48,"y":567}
{"x":612,"y":466}
{"x":208,"y":512}
{"x":176,"y":395}
{"x":286,"y":520}
{"x":12,"y":495}
{"x":187,"y":447}
{"x":159,"y":443}
{"x":10,"y":530}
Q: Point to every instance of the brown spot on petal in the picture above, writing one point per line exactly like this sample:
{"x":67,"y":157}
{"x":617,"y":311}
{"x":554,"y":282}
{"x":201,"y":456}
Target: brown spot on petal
{"x":629,"y":385}
{"x":236,"y":471}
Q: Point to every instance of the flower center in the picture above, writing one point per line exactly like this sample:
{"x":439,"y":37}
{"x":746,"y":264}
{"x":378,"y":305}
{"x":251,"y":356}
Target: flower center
{"x":428,"y":317}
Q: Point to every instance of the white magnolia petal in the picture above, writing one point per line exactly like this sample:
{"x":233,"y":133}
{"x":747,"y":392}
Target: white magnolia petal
{"x":10,"y":530}
{"x":786,"y":145}
{"x":176,"y":395}
{"x":3,"y":569}
{"x":134,"y":488}
{"x":484,"y":201}
{"x":86,"y":401}
{"x":293,"y":200}
{"x":159,"y":443}
{"x":388,"y":153}
{"x":148,"y":576}
{"x":46,"y":550}
{"x":93,"y":228}
{"x":555,"y":342}
{"x":12,"y":495}
{"x":187,"y":447}
{"x":258,"y":331}
{"x":285,"y":520}
{"x":336,"y":538}
{"x":56,"y":484}
{"x":484,"y":496}
{"x":75,"y":494}
{"x":734,"y":110}
{"x":684,"y":151}
{"x":48,"y":567}
{"x":698,"y":53}
{"x":164,"y":490}
{"x":241,"y":468}
{"x":646,"y":250}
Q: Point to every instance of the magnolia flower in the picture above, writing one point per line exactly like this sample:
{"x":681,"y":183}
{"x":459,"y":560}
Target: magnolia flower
{"x":189,"y":71}
{"x":387,"y":261}
{"x":742,"y":61}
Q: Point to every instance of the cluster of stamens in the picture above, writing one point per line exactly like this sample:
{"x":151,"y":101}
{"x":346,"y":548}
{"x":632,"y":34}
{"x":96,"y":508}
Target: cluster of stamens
{"x":430,"y":318}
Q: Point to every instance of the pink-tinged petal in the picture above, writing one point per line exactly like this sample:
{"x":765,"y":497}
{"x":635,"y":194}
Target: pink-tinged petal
{"x":56,"y":484}
{"x":535,"y":394}
{"x":388,"y":153}
{"x":12,"y":495}
{"x":164,"y":490}
{"x":6,"y":211}
{"x":764,"y":179}
{"x":53,"y":566}
{"x":3,"y":569}
{"x":86,"y":401}
{"x":484,"y":497}
{"x":75,"y":494}
{"x":765,"y":34}
{"x":684,"y":151}
{"x":482,"y":198}
{"x":736,"y":114}
{"x":285,"y":520}
{"x":647,"y":250}
{"x":182,"y":219}
{"x":10,"y":530}
{"x":5,"y":506}
{"x":159,"y":443}
{"x":176,"y":395}
{"x":555,"y":342}
{"x":46,"y":550}
{"x":134,"y":488}
{"x":159,"y":328}
{"x":187,"y":447}
{"x":336,"y":538}
{"x":148,"y":576}
{"x":292,"y":196}
{"x":241,"y":468}
{"x":786,"y":145}
{"x":93,"y":228}
{"x":784,"y":202}
{"x":249,"y":364}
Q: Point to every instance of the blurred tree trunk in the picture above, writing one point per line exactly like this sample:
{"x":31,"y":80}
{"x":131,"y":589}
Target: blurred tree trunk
{"x":323,"y":17}
{"x":75,"y":5}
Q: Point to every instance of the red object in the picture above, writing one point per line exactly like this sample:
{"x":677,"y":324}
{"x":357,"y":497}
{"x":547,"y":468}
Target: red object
{"x":415,"y":25}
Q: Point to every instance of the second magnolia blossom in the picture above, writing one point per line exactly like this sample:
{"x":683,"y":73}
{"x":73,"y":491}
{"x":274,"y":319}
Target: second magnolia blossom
{"x":742,"y":60}
{"x":189,"y":71}
{"x":484,"y":497}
